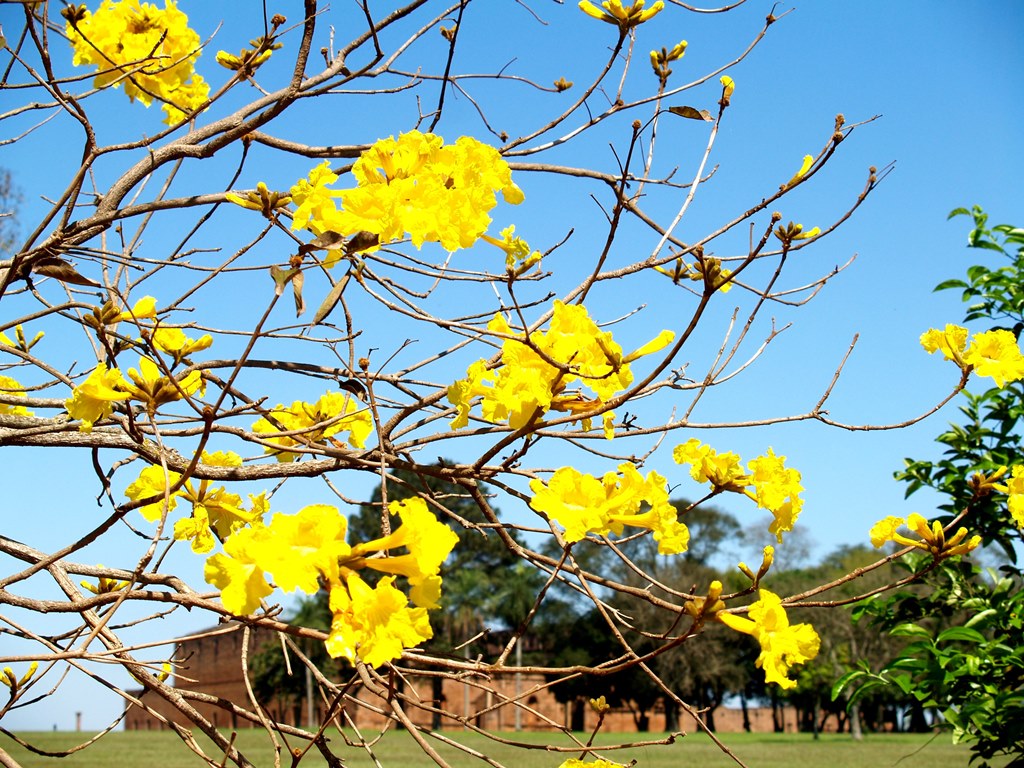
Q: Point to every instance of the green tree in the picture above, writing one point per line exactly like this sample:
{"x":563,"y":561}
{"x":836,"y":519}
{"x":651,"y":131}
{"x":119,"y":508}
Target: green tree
{"x":966,"y":655}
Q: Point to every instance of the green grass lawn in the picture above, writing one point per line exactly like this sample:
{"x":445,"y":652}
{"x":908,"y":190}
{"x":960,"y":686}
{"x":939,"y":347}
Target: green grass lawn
{"x":164,"y":750}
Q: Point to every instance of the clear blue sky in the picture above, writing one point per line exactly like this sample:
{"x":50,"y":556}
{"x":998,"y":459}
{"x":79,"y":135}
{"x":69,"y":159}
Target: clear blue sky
{"x":945,"y":79}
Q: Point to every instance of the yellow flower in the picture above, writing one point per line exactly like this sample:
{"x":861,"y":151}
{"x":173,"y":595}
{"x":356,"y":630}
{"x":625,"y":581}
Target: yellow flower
{"x":776,"y":489}
{"x":574,"y":762}
{"x":414,"y":185}
{"x":151,"y":52}
{"x":152,"y":388}
{"x":526,"y":385}
{"x":143,"y":309}
{"x":153,"y":482}
{"x":177,"y":344}
{"x":104,"y":585}
{"x":583,"y":504}
{"x":1015,"y":489}
{"x":12,"y":681}
{"x":12,"y":388}
{"x":950,"y":341}
{"x":804,"y":168}
{"x":428,"y":540}
{"x":237,"y":573}
{"x":722,"y":470}
{"x":884,"y":530}
{"x":301,"y":549}
{"x":996,"y":354}
{"x":215,"y":510}
{"x":332,"y":414}
{"x":374,"y":624}
{"x":94,"y":398}
{"x":782,"y":645}
{"x":625,"y":17}
{"x":932,"y":539}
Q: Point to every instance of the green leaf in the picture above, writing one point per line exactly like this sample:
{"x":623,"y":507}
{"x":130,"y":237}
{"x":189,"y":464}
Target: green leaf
{"x":950,"y":284}
{"x":961,"y":634}
{"x":845,"y":680}
{"x":910,"y":630}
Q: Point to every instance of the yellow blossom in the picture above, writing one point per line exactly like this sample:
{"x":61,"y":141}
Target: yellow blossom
{"x":624,"y":17}
{"x":414,"y":185}
{"x":104,"y":585}
{"x":804,"y":168}
{"x":9,"y":678}
{"x":996,"y":354}
{"x":94,"y":398}
{"x":151,"y":52}
{"x":428,"y":540}
{"x":584,"y":504}
{"x":11,"y":388}
{"x":374,"y":624}
{"x":153,"y":389}
{"x":1015,"y":490}
{"x":932,"y":537}
{"x":332,"y":414}
{"x":143,"y":309}
{"x":782,"y":644}
{"x":174,"y":342}
{"x":237,"y":572}
{"x":526,"y":385}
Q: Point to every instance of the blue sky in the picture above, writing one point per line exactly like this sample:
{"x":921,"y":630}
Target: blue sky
{"x":945,"y":82}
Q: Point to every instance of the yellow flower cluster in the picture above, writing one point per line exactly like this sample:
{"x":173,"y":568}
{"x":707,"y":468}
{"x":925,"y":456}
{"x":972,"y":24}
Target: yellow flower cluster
{"x":413,"y":185}
{"x":767,"y":481}
{"x":584,"y":504}
{"x":214,"y":509}
{"x":310,"y":423}
{"x":782,"y":644}
{"x":152,"y":383}
{"x":94,"y":398}
{"x":534,"y":373}
{"x":991,"y":353}
{"x":624,"y":17}
{"x":932,"y":537}
{"x":152,"y":52}
{"x":307,"y":551}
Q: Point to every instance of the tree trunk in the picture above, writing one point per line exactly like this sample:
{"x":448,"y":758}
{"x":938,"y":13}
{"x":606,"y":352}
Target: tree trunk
{"x":746,"y":713}
{"x":855,"y":730}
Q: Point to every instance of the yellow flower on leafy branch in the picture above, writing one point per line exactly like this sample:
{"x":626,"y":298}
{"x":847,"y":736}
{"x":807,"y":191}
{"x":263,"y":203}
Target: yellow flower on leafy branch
{"x":767,"y":481}
{"x":11,"y":388}
{"x":313,"y":423}
{"x":151,"y":52}
{"x":990,"y":353}
{"x":94,"y":398}
{"x":782,"y":644}
{"x":932,"y":537}
{"x":526,"y":385}
{"x":624,"y":17}
{"x":583,"y":504}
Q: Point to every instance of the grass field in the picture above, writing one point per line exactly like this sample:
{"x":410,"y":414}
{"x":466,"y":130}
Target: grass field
{"x":164,"y":750}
